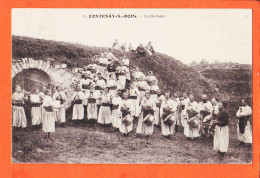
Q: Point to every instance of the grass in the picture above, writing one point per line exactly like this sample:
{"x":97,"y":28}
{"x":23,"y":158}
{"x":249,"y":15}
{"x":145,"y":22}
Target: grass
{"x":85,"y":144}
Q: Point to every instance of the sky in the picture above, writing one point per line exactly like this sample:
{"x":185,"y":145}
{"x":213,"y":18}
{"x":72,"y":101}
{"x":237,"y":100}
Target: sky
{"x":188,"y":35}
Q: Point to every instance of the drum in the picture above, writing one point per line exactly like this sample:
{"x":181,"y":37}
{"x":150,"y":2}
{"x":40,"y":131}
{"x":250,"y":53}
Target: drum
{"x":194,"y":121}
{"x":169,"y":120}
{"x":191,"y":113}
{"x":127,"y":120}
{"x":148,"y":120}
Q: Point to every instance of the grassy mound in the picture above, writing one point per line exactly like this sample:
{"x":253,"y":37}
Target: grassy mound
{"x":171,"y":73}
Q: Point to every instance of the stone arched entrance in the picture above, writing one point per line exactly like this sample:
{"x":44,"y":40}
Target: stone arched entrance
{"x":30,"y":73}
{"x":29,"y":79}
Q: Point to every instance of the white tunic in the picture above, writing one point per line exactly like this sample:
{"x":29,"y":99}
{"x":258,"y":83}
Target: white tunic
{"x":142,"y":86}
{"x":78,"y":109}
{"x":189,"y":131}
{"x":122,"y":71}
{"x":116,"y":101}
{"x":104,"y":115}
{"x":85,"y":83}
{"x":100,"y":84}
{"x":143,"y":128}
{"x":138,"y":75}
{"x":168,"y":103}
{"x":205,"y":106}
{"x":111,"y":84}
{"x":134,"y":92}
{"x":245,"y":137}
{"x":184,"y":111}
{"x":151,"y":78}
{"x":92,"y":107}
{"x":18,"y":114}
{"x":158,"y":102}
{"x":110,"y":55}
{"x":36,"y":112}
{"x":103,"y":60}
{"x":59,"y":114}
{"x":122,"y":127}
{"x":48,"y":120}
{"x":126,"y":61}
{"x":154,"y":89}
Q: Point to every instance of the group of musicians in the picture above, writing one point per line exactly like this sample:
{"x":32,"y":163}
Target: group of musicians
{"x":112,"y":93}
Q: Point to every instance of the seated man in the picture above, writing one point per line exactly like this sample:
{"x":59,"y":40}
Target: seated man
{"x":140,"y":50}
{"x":149,"y":48}
{"x":110,"y":56}
{"x":115,"y":43}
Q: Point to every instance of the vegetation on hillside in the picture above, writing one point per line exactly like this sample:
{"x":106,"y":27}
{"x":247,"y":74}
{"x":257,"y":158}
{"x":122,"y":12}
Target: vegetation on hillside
{"x":204,"y":64}
{"x":171,"y":73}
{"x":233,"y":81}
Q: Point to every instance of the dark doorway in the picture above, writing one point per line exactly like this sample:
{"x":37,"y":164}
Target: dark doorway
{"x":29,"y":79}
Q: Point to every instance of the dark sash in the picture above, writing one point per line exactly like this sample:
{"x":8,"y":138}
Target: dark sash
{"x":141,"y":89}
{"x":114,"y":107}
{"x":98,"y":88}
{"x":112,"y":88}
{"x":133,"y":97}
{"x":84,"y":86}
{"x":17,"y":104}
{"x":78,"y":102}
{"x":48,"y":108}
{"x":105,"y":104}
{"x":36,"y":104}
{"x":91,"y":100}
{"x":121,"y":73}
{"x":242,"y":123}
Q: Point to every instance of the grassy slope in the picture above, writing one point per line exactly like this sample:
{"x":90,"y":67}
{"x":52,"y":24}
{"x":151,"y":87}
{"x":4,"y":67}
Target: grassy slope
{"x":171,"y":73}
{"x":84,"y":144}
{"x":234,"y":81}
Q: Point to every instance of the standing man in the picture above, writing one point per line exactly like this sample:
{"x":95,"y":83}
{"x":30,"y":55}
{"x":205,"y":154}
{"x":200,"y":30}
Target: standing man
{"x":176,"y":100}
{"x":168,"y":109}
{"x":205,"y":109}
{"x":221,"y":137}
{"x":244,"y":131}
{"x":192,"y":132}
{"x":122,"y":72}
{"x":60,"y":95}
{"x":134,"y":97}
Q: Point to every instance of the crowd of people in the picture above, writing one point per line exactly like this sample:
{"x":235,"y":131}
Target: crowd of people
{"x":112,"y":93}
{"x":141,"y":50}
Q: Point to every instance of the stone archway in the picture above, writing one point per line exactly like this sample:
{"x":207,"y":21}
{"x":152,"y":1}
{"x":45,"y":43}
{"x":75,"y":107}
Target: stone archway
{"x":29,"y":79}
{"x":45,"y":74}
